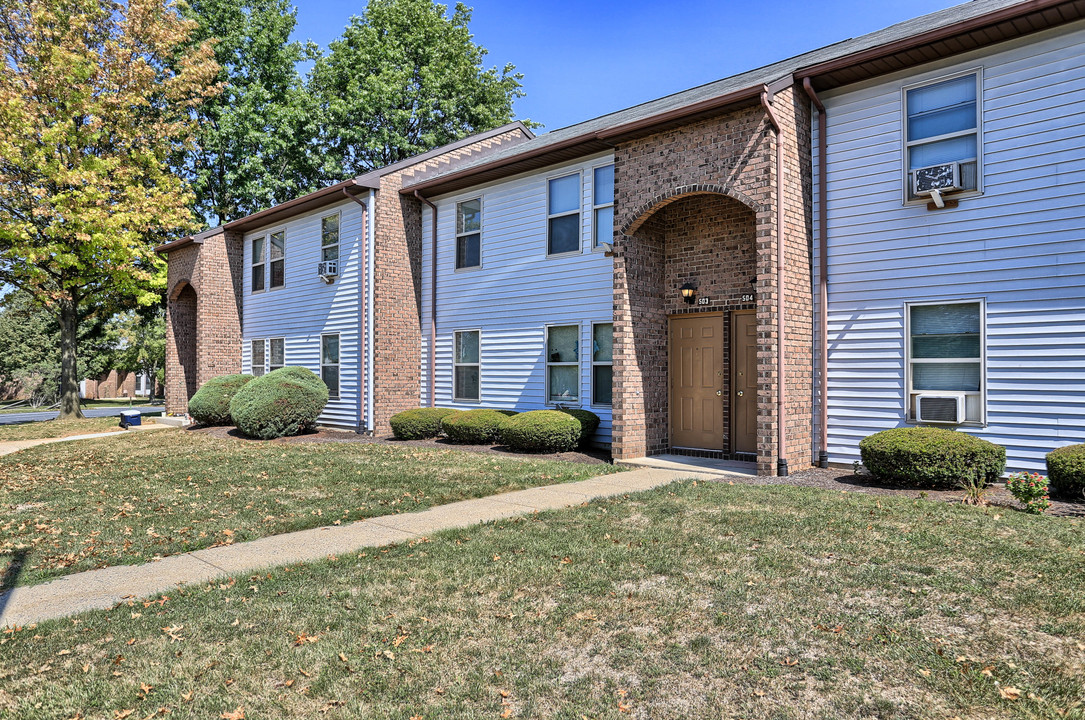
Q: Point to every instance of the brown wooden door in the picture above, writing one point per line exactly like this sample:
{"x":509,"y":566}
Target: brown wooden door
{"x":744,"y":382}
{"x":696,"y":370}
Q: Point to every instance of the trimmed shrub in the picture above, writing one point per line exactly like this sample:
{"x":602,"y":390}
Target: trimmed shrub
{"x":541,"y":431}
{"x":474,"y":427}
{"x":419,"y":423}
{"x":1066,"y":471}
{"x":211,"y":403}
{"x":284,"y":402}
{"x":589,"y":423}
{"x":932,"y":457}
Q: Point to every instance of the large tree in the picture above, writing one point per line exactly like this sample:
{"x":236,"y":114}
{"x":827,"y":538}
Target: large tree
{"x":255,"y":142}
{"x":406,"y":77}
{"x":95,"y":97}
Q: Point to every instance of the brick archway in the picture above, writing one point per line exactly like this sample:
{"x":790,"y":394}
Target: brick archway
{"x":182,"y":371}
{"x":643,"y":213}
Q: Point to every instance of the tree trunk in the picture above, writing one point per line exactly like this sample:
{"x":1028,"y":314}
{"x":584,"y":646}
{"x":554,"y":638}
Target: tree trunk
{"x":69,"y":365}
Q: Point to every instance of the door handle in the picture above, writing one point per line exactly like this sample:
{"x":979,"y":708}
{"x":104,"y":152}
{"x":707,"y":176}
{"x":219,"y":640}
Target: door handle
{"x":739,"y":393}
{"x":719,"y":393}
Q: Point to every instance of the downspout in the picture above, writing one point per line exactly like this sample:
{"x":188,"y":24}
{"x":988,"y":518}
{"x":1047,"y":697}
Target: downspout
{"x":370,"y":339}
{"x":364,"y":319}
{"x":781,"y":432}
{"x":432,"y":302}
{"x":823,"y":278}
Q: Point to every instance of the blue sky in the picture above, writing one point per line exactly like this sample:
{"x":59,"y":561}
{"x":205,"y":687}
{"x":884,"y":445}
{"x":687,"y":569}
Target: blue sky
{"x":585,"y":59}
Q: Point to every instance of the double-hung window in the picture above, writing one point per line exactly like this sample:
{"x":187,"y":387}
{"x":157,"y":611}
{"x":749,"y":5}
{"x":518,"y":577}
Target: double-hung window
{"x":257,"y":362}
{"x":278,"y":258}
{"x":942,"y":128}
{"x":277,"y":354}
{"x":602,"y":363}
{"x":563,"y":363}
{"x":466,"y":365}
{"x":329,"y":238}
{"x":946,"y":354}
{"x":469,"y":234}
{"x":603,"y":205}
{"x":258,"y":264}
{"x":563,"y":215}
{"x":329,"y":363}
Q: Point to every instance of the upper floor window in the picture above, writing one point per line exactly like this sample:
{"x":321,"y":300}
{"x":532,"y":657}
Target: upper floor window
{"x":329,"y":238}
{"x":278,"y":258}
{"x":942,"y":129}
{"x":258,"y":266}
{"x":946,"y":361}
{"x":603,"y":204}
{"x":563,"y":363}
{"x":563,"y":215}
{"x":469,"y":234}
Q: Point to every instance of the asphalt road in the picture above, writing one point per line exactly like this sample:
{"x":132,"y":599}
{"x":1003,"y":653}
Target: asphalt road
{"x":12,"y":418}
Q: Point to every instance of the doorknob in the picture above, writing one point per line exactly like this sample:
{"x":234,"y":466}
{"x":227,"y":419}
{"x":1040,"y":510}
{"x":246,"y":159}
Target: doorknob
{"x":719,"y":393}
{"x":739,"y":393}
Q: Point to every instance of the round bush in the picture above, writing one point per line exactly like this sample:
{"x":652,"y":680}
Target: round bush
{"x":589,"y":423}
{"x":474,"y":427}
{"x":1066,"y":471}
{"x":284,"y":402}
{"x":541,"y":431}
{"x":419,"y":423}
{"x":211,"y":403}
{"x":931,"y":457}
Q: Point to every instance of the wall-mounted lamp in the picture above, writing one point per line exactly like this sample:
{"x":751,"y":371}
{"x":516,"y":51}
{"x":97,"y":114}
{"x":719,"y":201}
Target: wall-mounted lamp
{"x":689,"y":292}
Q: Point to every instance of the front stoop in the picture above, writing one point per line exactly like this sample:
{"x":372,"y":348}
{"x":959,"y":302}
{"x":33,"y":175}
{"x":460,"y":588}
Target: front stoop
{"x":698,"y":465}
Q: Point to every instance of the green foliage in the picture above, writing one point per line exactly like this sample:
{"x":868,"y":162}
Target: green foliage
{"x":211,"y":403}
{"x":932,"y":457}
{"x":1030,"y":489}
{"x":589,"y":423}
{"x":138,"y":340}
{"x":542,"y":431}
{"x":475,"y":427}
{"x":1066,"y":471}
{"x":284,"y":402}
{"x":419,"y":423}
{"x":405,"y":78}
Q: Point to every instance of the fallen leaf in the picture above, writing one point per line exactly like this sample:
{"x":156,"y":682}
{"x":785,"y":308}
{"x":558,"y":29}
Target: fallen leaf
{"x":1009,"y":693}
{"x":238,"y":714}
{"x":121,"y":714}
{"x":925,"y":673}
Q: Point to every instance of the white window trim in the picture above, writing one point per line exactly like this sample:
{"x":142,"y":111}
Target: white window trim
{"x":907,"y":143}
{"x":269,"y":341}
{"x":262,"y":264}
{"x":595,"y":363}
{"x":909,"y":416}
{"x":455,"y":365}
{"x":267,"y":280}
{"x":252,"y":356}
{"x":458,"y":235}
{"x":579,"y":211}
{"x":338,"y":365}
{"x":323,"y":247}
{"x":579,"y":364}
{"x":595,"y":247}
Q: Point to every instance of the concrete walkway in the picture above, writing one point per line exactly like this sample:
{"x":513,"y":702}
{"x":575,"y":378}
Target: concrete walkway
{"x":98,"y":589}
{"x":13,"y":446}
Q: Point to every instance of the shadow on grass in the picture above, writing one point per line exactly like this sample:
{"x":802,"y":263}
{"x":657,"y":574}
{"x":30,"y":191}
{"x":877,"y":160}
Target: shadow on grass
{"x":11,"y":576}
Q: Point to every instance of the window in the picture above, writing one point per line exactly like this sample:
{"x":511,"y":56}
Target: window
{"x":329,"y":363}
{"x":602,"y":363}
{"x":257,"y":264}
{"x":278,"y":348}
{"x":603,"y":205}
{"x":942,"y":127}
{"x":466,"y":365}
{"x":945,"y":353}
{"x":329,"y":238}
{"x":563,"y":363}
{"x":257,"y":360}
{"x":278,"y":255}
{"x":469,"y":234}
{"x":563,"y":218}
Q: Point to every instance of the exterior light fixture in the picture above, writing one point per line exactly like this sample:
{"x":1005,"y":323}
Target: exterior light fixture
{"x":689,"y":292}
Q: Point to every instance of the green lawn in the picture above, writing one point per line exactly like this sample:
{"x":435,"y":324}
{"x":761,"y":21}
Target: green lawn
{"x":694,"y":601}
{"x":78,"y":506}
{"x":57,"y":428}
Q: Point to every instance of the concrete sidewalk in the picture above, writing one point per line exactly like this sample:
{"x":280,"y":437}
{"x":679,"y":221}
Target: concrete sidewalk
{"x":98,"y":589}
{"x":12,"y":446}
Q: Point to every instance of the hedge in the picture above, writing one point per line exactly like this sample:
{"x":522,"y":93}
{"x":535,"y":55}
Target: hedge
{"x":542,"y":431}
{"x":284,"y":402}
{"x":419,"y":423}
{"x":1066,"y":471}
{"x":474,"y":427}
{"x":931,"y":457}
{"x":211,"y":403}
{"x":589,"y":423}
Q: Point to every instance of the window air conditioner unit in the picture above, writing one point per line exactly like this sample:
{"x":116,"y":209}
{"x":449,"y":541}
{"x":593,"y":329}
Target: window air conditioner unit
{"x":327,"y":270}
{"x":946,"y":408}
{"x":936,"y":180}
